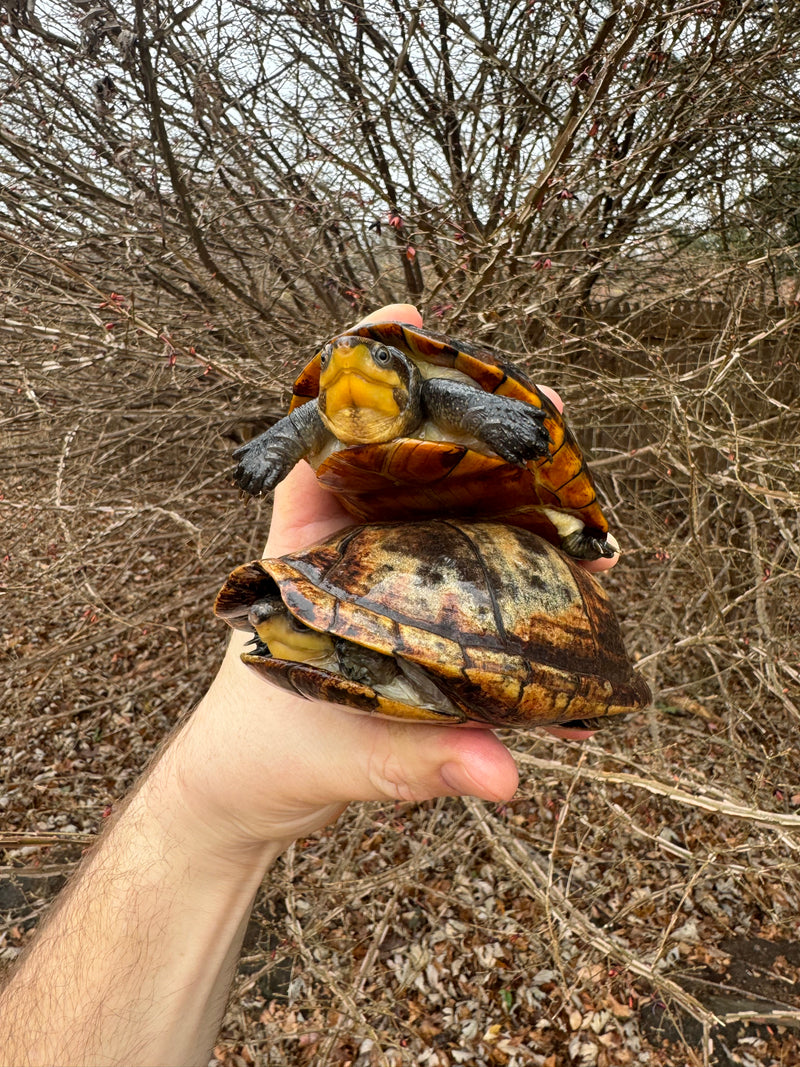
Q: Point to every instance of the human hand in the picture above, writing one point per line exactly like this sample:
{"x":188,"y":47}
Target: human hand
{"x":258,"y":764}
{"x":135,"y":963}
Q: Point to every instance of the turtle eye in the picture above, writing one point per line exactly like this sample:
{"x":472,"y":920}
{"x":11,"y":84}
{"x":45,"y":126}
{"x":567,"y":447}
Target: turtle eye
{"x":325,"y":357}
{"x":382,"y":355}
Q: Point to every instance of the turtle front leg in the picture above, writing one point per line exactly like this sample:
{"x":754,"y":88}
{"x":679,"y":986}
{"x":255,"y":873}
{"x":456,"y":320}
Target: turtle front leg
{"x":268,"y":458}
{"x":511,"y":428}
{"x":365,"y":665}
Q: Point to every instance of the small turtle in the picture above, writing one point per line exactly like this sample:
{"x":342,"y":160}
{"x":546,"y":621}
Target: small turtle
{"x":440,"y":621}
{"x":403,"y":423}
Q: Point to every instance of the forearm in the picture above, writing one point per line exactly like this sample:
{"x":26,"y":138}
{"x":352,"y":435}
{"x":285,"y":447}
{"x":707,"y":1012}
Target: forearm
{"x":135,"y":964}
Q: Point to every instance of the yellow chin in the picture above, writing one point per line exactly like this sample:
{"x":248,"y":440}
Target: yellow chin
{"x":359,"y":411}
{"x":299,"y":646}
{"x":357,"y":426}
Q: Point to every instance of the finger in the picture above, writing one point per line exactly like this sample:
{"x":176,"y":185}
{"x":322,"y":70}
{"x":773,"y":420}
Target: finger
{"x":423,"y":762}
{"x":552,"y":396}
{"x":393,"y":313}
{"x":596,"y":566}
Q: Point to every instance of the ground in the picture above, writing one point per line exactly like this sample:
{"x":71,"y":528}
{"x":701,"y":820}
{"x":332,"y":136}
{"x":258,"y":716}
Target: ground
{"x":637,"y":901}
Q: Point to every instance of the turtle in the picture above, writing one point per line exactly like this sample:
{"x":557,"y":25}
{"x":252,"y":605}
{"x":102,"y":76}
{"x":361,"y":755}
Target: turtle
{"x":404,"y":423}
{"x":439,"y":621}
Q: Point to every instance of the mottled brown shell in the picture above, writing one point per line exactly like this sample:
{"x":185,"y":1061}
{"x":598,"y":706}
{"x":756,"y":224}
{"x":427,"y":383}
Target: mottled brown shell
{"x":512,"y":630}
{"x":409,"y":478}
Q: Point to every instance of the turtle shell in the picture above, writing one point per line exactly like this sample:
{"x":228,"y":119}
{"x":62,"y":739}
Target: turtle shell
{"x":510,"y":630}
{"x":411,"y":478}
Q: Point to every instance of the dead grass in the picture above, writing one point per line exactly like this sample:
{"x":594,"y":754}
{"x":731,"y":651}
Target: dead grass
{"x":599,"y":918}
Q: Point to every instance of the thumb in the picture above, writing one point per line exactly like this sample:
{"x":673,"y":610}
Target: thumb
{"x":420,"y":762}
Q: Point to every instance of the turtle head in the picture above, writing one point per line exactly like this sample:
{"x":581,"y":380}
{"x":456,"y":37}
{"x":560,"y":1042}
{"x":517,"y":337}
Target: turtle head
{"x":368,"y":391}
{"x":285,"y":636}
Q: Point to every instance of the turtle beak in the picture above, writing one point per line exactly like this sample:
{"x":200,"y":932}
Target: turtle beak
{"x":351,"y":369}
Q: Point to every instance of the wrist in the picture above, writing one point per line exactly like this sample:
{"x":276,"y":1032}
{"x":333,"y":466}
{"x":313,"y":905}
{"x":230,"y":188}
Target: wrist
{"x":241,"y":772}
{"x":190,"y":824}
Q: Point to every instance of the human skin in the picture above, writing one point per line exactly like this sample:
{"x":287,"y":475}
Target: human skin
{"x":134,"y":964}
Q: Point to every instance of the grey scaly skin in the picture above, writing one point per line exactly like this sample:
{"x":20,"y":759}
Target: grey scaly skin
{"x":512,"y":429}
{"x":364,"y":665}
{"x":268,"y":458}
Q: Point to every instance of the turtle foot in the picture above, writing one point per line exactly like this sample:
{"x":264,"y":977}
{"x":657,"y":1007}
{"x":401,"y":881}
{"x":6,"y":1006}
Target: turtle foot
{"x":515,"y":431}
{"x":257,"y":471}
{"x":589,"y":544}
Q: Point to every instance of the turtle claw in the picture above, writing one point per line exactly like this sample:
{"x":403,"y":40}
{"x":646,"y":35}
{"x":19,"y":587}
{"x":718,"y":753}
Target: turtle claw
{"x":514,"y":429}
{"x":589,"y":544}
{"x":260,"y":465}
{"x":268,"y":458}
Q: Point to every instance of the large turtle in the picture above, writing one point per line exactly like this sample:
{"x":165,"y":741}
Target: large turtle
{"x":440,"y":621}
{"x":404,"y":423}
